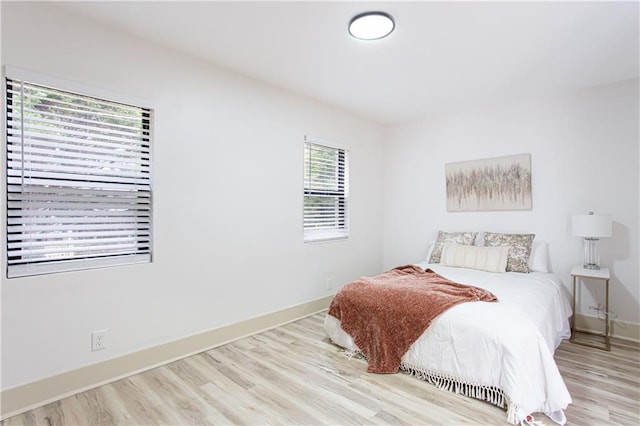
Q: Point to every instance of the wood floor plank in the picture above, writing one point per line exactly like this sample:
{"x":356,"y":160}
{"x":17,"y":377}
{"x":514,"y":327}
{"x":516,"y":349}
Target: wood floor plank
{"x":294,"y":375}
{"x":302,"y":387}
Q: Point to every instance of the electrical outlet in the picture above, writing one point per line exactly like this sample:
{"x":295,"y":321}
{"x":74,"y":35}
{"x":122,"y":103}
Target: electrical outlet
{"x":329,"y":283}
{"x":98,"y":340}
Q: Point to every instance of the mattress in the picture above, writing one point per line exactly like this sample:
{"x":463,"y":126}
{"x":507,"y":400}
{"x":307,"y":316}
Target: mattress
{"x":500,"y":352}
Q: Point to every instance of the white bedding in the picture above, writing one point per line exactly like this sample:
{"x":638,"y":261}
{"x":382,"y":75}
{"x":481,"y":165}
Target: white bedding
{"x":508,"y":344}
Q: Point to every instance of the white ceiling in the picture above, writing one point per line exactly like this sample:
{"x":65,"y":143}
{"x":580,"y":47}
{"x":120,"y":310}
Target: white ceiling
{"x":442,"y":55}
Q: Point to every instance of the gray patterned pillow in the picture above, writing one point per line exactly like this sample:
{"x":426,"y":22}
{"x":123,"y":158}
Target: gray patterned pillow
{"x":519,"y":249}
{"x":462,"y":238}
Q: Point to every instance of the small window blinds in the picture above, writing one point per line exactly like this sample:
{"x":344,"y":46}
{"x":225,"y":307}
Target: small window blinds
{"x":326,"y":190}
{"x":78,"y":181}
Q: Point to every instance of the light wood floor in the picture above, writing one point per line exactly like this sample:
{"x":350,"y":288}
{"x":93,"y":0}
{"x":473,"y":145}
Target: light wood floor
{"x":294,"y":375}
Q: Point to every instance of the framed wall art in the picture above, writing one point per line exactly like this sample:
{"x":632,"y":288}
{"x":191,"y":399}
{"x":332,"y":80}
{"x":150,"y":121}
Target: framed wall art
{"x":500,"y":183}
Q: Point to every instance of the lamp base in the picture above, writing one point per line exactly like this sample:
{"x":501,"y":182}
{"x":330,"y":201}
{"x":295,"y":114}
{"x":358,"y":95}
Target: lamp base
{"x":591,"y":257}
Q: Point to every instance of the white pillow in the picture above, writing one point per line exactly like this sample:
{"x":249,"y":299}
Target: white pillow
{"x":539,"y":258}
{"x":430,"y":247}
{"x":491,"y":259}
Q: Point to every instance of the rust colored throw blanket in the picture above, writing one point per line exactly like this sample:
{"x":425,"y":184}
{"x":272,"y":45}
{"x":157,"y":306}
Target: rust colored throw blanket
{"x":385,"y":314}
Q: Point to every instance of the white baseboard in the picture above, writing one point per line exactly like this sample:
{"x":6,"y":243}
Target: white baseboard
{"x":620,"y":329}
{"x":25,"y":397}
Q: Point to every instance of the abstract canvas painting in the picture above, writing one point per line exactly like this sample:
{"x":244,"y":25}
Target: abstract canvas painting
{"x":501,"y":183}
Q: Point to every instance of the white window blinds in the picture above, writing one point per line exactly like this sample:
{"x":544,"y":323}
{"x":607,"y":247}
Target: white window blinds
{"x":326,"y":190}
{"x":78,"y":181}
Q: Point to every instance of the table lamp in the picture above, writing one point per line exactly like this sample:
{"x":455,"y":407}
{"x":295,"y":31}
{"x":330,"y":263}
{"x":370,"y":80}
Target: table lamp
{"x":591,"y":227}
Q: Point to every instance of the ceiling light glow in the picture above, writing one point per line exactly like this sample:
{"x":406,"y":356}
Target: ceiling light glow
{"x":371,"y":25}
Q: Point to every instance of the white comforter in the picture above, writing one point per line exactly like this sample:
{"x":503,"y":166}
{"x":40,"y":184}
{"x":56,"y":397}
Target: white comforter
{"x":508,"y":344}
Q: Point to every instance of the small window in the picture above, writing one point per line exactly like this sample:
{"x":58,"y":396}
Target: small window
{"x":78,"y":181}
{"x":326,"y":191}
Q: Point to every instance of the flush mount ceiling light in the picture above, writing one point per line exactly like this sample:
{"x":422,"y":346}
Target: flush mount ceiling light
{"x":371,"y":25}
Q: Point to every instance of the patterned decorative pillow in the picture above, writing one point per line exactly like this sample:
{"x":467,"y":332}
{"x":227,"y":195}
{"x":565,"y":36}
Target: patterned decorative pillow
{"x":519,"y":249}
{"x":462,"y":238}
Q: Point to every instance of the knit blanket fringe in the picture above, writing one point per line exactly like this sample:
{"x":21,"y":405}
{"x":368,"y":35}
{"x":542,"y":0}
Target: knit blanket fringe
{"x":491,"y":394}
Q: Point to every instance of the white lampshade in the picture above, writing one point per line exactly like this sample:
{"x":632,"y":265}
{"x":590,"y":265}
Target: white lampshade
{"x":591,"y":226}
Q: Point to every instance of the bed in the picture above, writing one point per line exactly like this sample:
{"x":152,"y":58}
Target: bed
{"x":498,"y":352}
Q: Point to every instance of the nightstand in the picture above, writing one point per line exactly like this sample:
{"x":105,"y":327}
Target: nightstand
{"x":577,"y":273}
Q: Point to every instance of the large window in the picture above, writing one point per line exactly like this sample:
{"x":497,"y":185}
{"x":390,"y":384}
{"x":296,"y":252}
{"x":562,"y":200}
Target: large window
{"x":78,"y":180}
{"x":326,"y":190}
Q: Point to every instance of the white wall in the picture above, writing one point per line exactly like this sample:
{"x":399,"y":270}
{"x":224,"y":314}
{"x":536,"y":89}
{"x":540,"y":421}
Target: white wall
{"x":227,"y":179}
{"x":584,"y":155}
